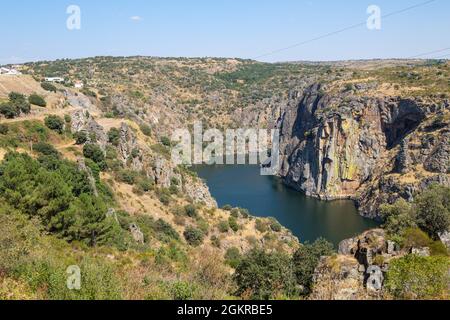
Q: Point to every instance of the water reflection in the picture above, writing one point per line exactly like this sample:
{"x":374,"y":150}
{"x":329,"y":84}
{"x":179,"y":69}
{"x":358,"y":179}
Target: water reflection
{"x":309,"y":219}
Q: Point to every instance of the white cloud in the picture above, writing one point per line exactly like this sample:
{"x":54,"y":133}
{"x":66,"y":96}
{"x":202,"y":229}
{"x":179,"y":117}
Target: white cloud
{"x":136,"y":18}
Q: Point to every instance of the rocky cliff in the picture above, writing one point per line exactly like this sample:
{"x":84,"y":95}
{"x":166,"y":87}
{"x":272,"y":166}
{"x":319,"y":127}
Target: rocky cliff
{"x":344,"y":145}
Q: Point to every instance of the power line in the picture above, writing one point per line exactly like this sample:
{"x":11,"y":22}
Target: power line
{"x":343,"y":30}
{"x":428,"y":53}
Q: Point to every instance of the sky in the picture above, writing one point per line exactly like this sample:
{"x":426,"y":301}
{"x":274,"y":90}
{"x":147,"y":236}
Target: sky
{"x":37,"y":30}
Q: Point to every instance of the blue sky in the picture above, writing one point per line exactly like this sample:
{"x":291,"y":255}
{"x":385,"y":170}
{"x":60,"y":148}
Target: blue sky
{"x":36,"y":30}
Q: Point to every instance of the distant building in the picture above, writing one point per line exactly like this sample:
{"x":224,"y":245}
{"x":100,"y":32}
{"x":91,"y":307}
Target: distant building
{"x":78,"y":85}
{"x":9,"y":72}
{"x":54,"y":79}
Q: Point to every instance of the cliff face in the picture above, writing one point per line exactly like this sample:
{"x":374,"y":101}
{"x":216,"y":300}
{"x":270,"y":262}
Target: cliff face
{"x":371,"y":149}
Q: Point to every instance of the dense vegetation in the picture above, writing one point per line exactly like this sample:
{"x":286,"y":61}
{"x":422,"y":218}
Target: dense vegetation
{"x":16,"y":105}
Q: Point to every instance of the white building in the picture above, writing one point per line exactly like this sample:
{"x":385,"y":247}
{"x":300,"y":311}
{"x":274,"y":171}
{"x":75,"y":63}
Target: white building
{"x":54,"y":79}
{"x":9,"y":72}
{"x":78,"y":85}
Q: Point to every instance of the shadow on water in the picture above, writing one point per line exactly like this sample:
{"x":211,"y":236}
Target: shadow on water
{"x":309,"y":219}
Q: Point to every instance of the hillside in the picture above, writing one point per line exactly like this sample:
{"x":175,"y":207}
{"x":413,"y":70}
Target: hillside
{"x":86,"y":178}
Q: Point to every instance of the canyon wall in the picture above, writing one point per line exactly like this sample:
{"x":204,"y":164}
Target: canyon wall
{"x":373,"y":149}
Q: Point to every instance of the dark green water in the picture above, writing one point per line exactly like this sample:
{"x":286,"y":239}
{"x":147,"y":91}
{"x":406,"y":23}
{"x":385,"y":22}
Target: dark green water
{"x":309,"y":219}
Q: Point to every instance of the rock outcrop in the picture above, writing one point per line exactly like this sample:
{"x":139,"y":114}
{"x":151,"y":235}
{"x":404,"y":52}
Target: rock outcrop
{"x":358,"y":271}
{"x":345,"y":146}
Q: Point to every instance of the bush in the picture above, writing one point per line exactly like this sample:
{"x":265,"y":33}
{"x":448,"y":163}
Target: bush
{"x":19,"y":102}
{"x":416,"y":238}
{"x":433,"y":210}
{"x":47,"y":86}
{"x":8,"y":110}
{"x":438,"y":249}
{"x":193,"y":236}
{"x":398,"y":217}
{"x":306,"y":260}
{"x":233,"y":257}
{"x":418,"y":278}
{"x":233,"y":224}
{"x":235,"y":213}
{"x":114,"y":136}
{"x":37,"y":100}
{"x":45,"y":149}
{"x":261,"y":226}
{"x":146,"y":130}
{"x":127,"y":176}
{"x":165,"y":141}
{"x":261,"y":276}
{"x":95,"y":153}
{"x":191,"y":211}
{"x":227,"y":207}
{"x":182,"y":291}
{"x":275,"y":225}
{"x":55,"y":123}
{"x":80,"y":137}
{"x":223,"y":227}
{"x":4,"y":129}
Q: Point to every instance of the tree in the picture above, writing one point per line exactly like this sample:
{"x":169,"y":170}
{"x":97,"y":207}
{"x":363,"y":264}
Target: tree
{"x":19,"y":102}
{"x":306,"y":260}
{"x":55,"y":123}
{"x":261,"y":275}
{"x":433,"y":210}
{"x":95,"y":153}
{"x":418,"y":278}
{"x":37,"y":100}
{"x":191,"y":211}
{"x":114,"y":136}
{"x":146,"y":130}
{"x":8,"y":110}
{"x":48,"y":86}
{"x":233,"y":257}
{"x":80,"y":137}
{"x":398,"y":217}
{"x":193,"y":236}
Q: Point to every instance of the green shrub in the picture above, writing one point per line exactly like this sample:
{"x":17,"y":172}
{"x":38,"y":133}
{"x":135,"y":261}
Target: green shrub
{"x":127,"y":176}
{"x":114,"y":136}
{"x":227,"y":207}
{"x":55,"y":123}
{"x":261,"y":276}
{"x":191,"y":211}
{"x":4,"y":128}
{"x":183,"y":291}
{"x":19,"y":102}
{"x":80,"y":137}
{"x":261,"y":226}
{"x":8,"y":110}
{"x":166,"y":141}
{"x":418,"y":278}
{"x":146,"y":130}
{"x":223,"y":226}
{"x":45,"y":149}
{"x":398,"y":217}
{"x":233,"y":224}
{"x":233,"y":257}
{"x":47,"y":86}
{"x":37,"y":100}
{"x":433,"y":210}
{"x":193,"y":236}
{"x":306,"y":260}
{"x":275,"y":225}
{"x":438,"y":249}
{"x":235,"y":213}
{"x":95,"y":153}
{"x":165,"y":199}
{"x":416,"y":238}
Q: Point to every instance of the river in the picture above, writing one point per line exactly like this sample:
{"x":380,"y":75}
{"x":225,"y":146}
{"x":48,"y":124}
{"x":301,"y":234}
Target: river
{"x":308,"y":218}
